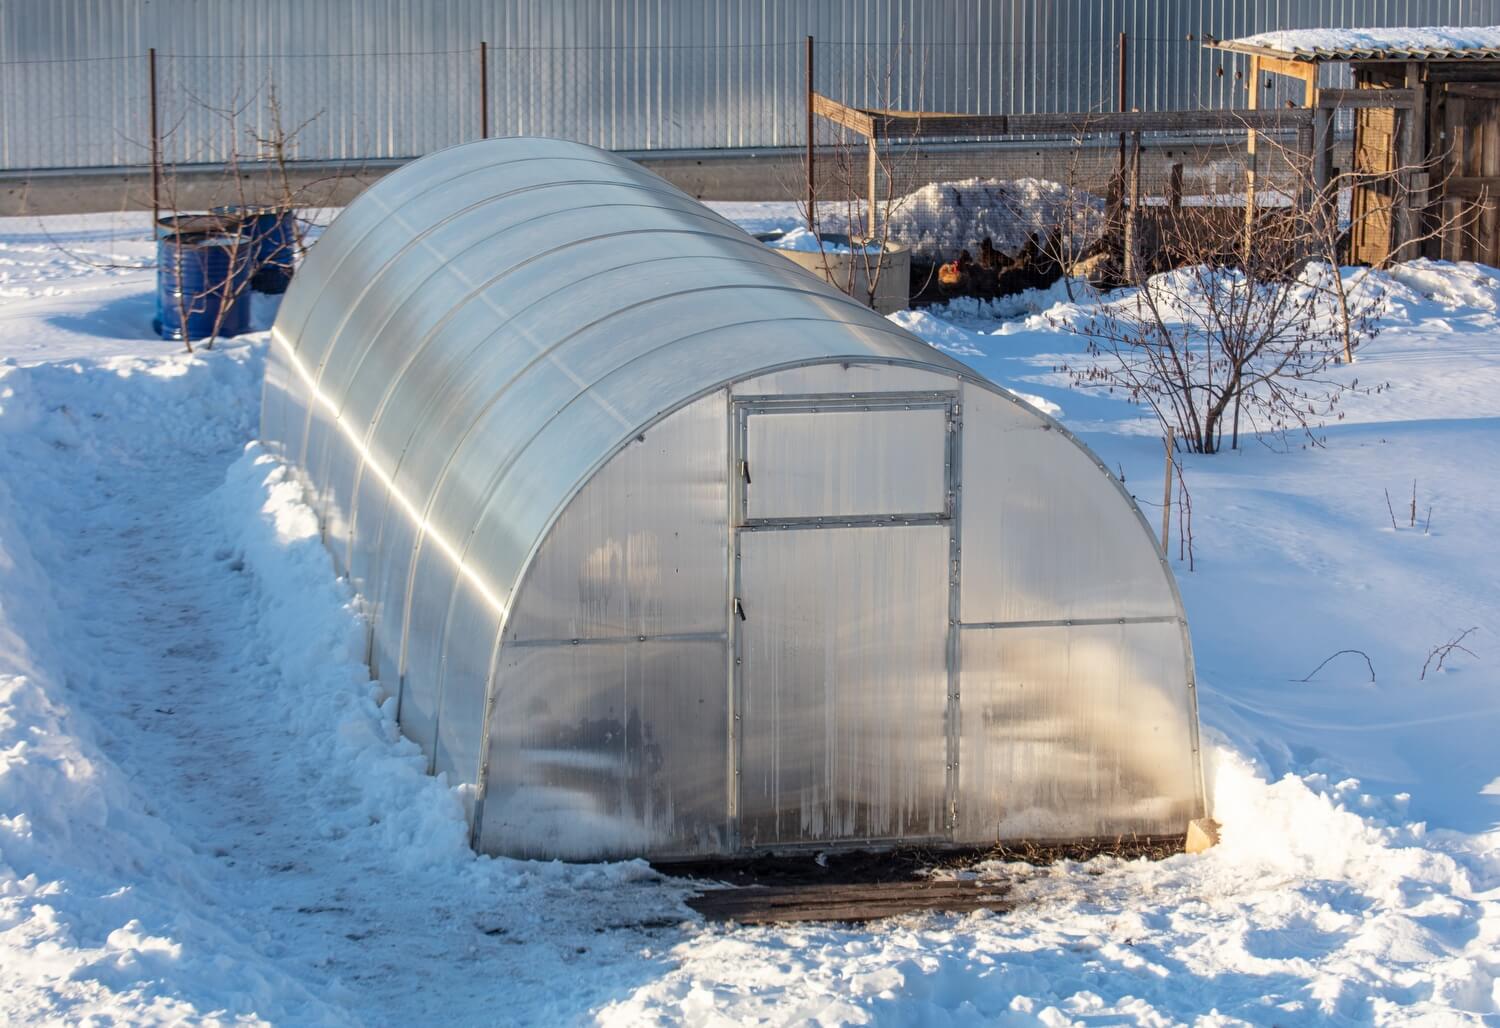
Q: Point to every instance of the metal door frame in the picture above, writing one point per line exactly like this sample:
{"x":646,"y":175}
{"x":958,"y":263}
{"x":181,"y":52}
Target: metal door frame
{"x":741,"y":408}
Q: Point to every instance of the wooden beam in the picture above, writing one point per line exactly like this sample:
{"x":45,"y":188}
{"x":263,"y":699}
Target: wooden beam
{"x":1252,"y":103}
{"x":912,"y":125}
{"x":1478,"y":90}
{"x":841,"y":114}
{"x":1473,"y":186}
{"x":1291,"y":69}
{"x":1351,"y":99}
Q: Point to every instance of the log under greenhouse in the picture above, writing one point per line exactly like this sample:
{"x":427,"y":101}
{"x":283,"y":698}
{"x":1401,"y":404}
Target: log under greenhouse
{"x":669,"y":549}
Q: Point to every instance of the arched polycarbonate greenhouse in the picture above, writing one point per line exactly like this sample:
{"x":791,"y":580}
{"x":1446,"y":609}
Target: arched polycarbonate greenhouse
{"x":670,"y":549}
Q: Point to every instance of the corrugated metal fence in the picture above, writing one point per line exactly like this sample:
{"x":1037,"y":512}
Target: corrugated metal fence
{"x":366,"y":79}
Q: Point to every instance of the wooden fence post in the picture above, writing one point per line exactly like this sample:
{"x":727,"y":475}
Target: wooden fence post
{"x":1166,"y":496}
{"x":1252,"y":103}
{"x":1132,"y":213}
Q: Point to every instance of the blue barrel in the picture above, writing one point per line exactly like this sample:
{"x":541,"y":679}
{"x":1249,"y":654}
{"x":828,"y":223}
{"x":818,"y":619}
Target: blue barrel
{"x":272,"y":232}
{"x":202,"y":283}
{"x":197,"y":226}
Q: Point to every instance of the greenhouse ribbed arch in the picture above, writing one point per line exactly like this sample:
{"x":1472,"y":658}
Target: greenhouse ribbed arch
{"x":669,"y":549}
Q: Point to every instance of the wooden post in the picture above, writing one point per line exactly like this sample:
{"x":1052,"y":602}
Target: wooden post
{"x":484,"y":90}
{"x":1174,"y":188}
{"x":155,"y":143}
{"x":872,"y":169}
{"x":811,"y":188}
{"x":1253,"y":104}
{"x":1166,"y":496}
{"x":1132,"y":229}
{"x":1412,"y":195}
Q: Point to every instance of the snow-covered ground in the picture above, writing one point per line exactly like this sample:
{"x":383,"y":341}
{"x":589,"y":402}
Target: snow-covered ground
{"x":206,"y":815}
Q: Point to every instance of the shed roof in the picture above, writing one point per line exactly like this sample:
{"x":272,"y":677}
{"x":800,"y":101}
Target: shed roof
{"x":1407,"y":43}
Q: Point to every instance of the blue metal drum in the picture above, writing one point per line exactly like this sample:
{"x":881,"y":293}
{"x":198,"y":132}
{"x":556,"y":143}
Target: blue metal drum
{"x":202,"y":286}
{"x":272,"y":234}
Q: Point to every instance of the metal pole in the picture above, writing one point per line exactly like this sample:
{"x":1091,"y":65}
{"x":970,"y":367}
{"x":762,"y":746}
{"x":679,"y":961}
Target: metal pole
{"x":484,"y":90}
{"x":155,"y":144}
{"x":811,"y":189}
{"x":1121,"y":95}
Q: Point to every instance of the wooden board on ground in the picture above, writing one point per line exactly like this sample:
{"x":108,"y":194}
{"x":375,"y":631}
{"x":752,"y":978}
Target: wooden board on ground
{"x":761,"y":904}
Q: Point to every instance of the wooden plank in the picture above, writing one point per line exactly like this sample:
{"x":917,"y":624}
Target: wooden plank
{"x":839,"y":114}
{"x":1477,"y":90}
{"x":1454,"y":114}
{"x":908,"y":125}
{"x":1473,"y":186}
{"x":1302,"y":70}
{"x":1253,"y":103}
{"x":849,"y":901}
{"x":1489,"y":168}
{"x":1355,"y":99}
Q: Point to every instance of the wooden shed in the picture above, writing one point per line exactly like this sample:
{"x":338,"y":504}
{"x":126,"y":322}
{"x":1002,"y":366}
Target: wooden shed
{"x":1426,"y":153}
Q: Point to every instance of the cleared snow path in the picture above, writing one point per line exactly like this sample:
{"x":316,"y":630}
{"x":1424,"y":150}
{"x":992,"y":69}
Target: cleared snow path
{"x":281,"y":853}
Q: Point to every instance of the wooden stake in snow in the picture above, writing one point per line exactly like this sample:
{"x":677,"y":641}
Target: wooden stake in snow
{"x":1166,"y":497}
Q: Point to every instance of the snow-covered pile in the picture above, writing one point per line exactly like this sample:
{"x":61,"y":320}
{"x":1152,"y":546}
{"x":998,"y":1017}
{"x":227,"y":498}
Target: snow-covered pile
{"x":206,"y":814}
{"x":1401,"y":39}
{"x":942,"y":218}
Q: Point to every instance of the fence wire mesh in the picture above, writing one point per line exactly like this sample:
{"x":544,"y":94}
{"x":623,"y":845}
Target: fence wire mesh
{"x":383,"y":105}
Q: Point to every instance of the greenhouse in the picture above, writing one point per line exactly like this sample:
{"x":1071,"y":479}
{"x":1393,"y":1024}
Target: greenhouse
{"x":669,"y":549}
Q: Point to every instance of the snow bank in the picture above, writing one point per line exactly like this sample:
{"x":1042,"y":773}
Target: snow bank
{"x":942,"y":218}
{"x":327,"y":693}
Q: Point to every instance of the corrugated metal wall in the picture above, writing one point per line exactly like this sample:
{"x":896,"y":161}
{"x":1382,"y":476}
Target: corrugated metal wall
{"x":366,"y":79}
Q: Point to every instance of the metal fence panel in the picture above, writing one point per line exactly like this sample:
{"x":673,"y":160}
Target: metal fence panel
{"x":367,"y":79}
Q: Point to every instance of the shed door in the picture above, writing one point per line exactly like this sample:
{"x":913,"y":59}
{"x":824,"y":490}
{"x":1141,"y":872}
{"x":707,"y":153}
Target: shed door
{"x":1471,"y":167}
{"x":845,"y":570}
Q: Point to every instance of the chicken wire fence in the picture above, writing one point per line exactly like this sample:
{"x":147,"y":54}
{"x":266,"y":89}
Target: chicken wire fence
{"x":372,"y":106}
{"x":1004,"y":214}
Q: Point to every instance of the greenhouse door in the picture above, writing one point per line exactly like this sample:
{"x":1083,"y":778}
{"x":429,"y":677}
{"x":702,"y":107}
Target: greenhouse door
{"x":845,"y":572}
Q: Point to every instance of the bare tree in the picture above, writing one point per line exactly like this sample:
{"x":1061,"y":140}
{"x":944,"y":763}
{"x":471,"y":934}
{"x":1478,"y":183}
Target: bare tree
{"x":1244,"y":328}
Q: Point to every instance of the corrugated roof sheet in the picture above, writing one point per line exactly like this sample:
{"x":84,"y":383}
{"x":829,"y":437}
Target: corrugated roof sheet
{"x":1406,"y":43}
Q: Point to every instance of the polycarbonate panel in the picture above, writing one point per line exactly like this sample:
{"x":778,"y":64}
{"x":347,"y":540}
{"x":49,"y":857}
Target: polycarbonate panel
{"x":463,"y":684}
{"x":845,"y":379}
{"x":1047,"y":532}
{"x":1075,"y":733}
{"x":346,"y":258}
{"x":843,"y":686}
{"x":563,"y":449}
{"x":448,"y":373}
{"x":608,"y":750}
{"x":834,"y":462}
{"x":494,"y":235}
{"x":643,"y":548}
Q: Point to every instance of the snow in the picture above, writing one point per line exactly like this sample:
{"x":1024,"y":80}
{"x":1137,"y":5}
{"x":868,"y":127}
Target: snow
{"x":942,"y":218}
{"x":206,"y":814}
{"x":804,"y":241}
{"x":1403,"y":39}
{"x":939,"y":219}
